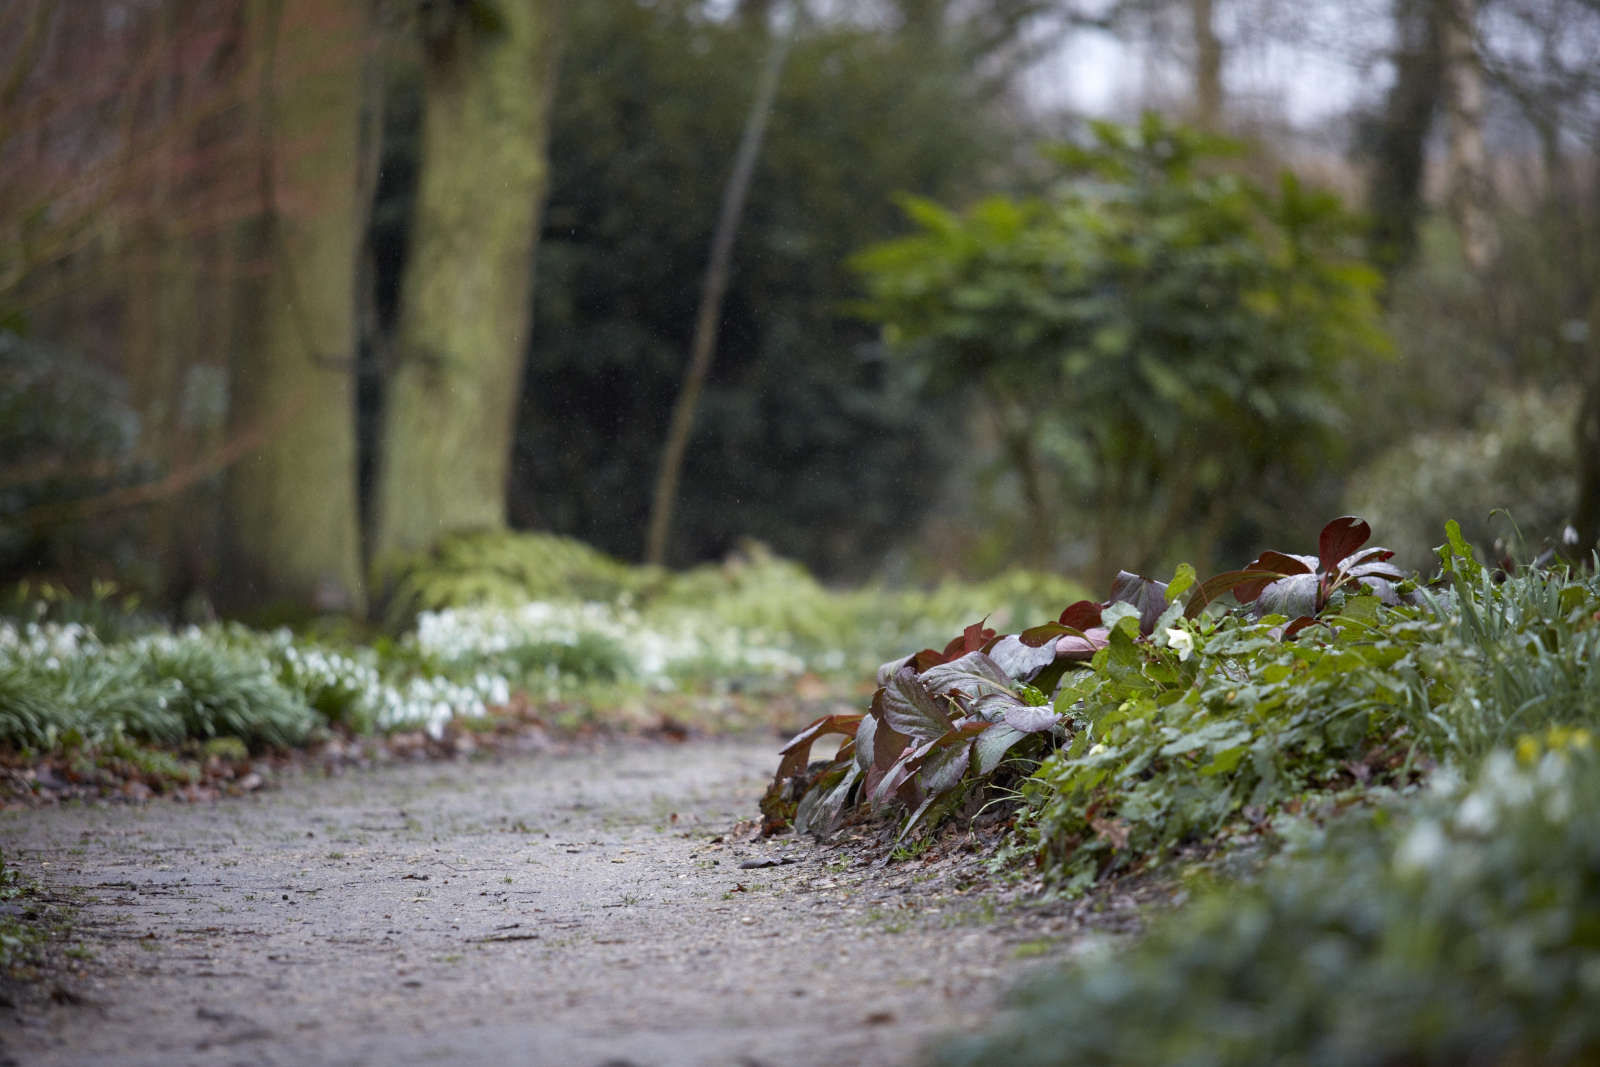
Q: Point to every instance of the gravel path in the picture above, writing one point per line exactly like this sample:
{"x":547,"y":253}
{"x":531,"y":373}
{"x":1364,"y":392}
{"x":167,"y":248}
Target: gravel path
{"x":580,"y":909}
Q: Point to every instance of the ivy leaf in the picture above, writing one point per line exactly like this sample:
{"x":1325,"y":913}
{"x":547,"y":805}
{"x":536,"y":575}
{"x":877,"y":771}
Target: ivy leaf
{"x":1182,"y":581}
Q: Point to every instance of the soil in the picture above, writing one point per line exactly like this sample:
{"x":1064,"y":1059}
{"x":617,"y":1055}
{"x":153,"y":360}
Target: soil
{"x":605,"y":906}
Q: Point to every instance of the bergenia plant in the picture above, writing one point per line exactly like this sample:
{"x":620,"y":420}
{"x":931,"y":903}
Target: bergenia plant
{"x":1301,"y":587}
{"x":942,"y":719}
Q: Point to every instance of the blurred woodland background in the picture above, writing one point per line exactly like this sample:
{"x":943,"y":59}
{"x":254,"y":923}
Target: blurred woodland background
{"x":294,"y":291}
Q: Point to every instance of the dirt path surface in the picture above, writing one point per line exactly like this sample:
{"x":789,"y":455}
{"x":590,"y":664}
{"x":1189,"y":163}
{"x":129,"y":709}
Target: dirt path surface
{"x":585,"y":909}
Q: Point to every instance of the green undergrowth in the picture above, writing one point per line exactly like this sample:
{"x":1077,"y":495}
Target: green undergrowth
{"x":1189,"y":713}
{"x":1402,"y":767}
{"x":1460,"y":929}
{"x":531,"y":626}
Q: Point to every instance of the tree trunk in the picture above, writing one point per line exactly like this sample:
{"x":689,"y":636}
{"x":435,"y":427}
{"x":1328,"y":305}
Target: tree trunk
{"x":1586,"y":511}
{"x":1471,"y":186}
{"x":704,"y":343}
{"x":293,"y":542}
{"x":1397,"y":138}
{"x":450,"y":399}
{"x":1207,"y":66}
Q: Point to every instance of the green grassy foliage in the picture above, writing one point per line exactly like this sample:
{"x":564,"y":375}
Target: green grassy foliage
{"x":1464,"y":931}
{"x":160,"y":689}
{"x":1456,"y":922}
{"x":497,"y":617}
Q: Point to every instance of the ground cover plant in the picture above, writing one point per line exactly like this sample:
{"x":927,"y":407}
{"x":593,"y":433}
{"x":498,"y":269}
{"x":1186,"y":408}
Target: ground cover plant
{"x":1411,"y":763}
{"x":1462,"y":928}
{"x":1161,"y":718}
{"x":497,"y":632}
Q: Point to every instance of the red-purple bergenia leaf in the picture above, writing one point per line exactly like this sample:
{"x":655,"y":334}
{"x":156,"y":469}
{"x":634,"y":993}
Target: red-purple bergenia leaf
{"x":909,"y":707}
{"x":1080,"y":648}
{"x":1340,"y":539}
{"x":797,"y":753}
{"x":1277,"y":565}
{"x":1075,"y":620}
{"x":1146,"y":594}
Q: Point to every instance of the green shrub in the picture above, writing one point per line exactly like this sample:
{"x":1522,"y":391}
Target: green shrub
{"x":1517,"y":459}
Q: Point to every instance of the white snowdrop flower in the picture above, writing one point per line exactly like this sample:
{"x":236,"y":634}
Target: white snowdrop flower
{"x":1182,"y":642}
{"x":1477,"y":815}
{"x":1422,"y":849}
{"x":1505,"y":782}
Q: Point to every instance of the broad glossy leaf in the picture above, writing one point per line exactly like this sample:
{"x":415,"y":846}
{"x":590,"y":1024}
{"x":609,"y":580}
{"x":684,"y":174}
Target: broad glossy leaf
{"x":887,"y":670}
{"x":1341,"y":538}
{"x":991,"y":746}
{"x":820,"y":809}
{"x":1226,"y":582}
{"x":1145,"y":594}
{"x":1031,"y":720}
{"x":1040,"y":636}
{"x":866,"y":735}
{"x":1081,"y":615}
{"x":1075,"y":620}
{"x":974,"y":674}
{"x":1377,"y":569}
{"x":1020,"y":660}
{"x":1292,"y":596}
{"x":797,"y":753}
{"x":1292,"y":629}
{"x":1079,"y":648}
{"x":1280,"y":564}
{"x":943,"y":768}
{"x":896,"y":778}
{"x":993,"y":708}
{"x":909,"y":708}
{"x":972,"y":639}
{"x":885,"y":744}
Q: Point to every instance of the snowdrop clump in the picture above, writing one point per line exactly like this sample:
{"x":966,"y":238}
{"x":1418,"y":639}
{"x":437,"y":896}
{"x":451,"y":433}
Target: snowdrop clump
{"x":1538,"y":777}
{"x":49,"y":644}
{"x":654,"y":651}
{"x":430,"y":703}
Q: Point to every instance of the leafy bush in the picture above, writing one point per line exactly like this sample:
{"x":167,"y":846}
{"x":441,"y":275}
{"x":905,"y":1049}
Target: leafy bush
{"x":1151,"y":340}
{"x":1466,"y":932}
{"x":1517,"y":459}
{"x":1159,"y":734}
{"x":532,"y":603}
{"x":506,"y":570}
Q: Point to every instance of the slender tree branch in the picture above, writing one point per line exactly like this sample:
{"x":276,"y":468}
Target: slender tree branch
{"x":703,"y":345}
